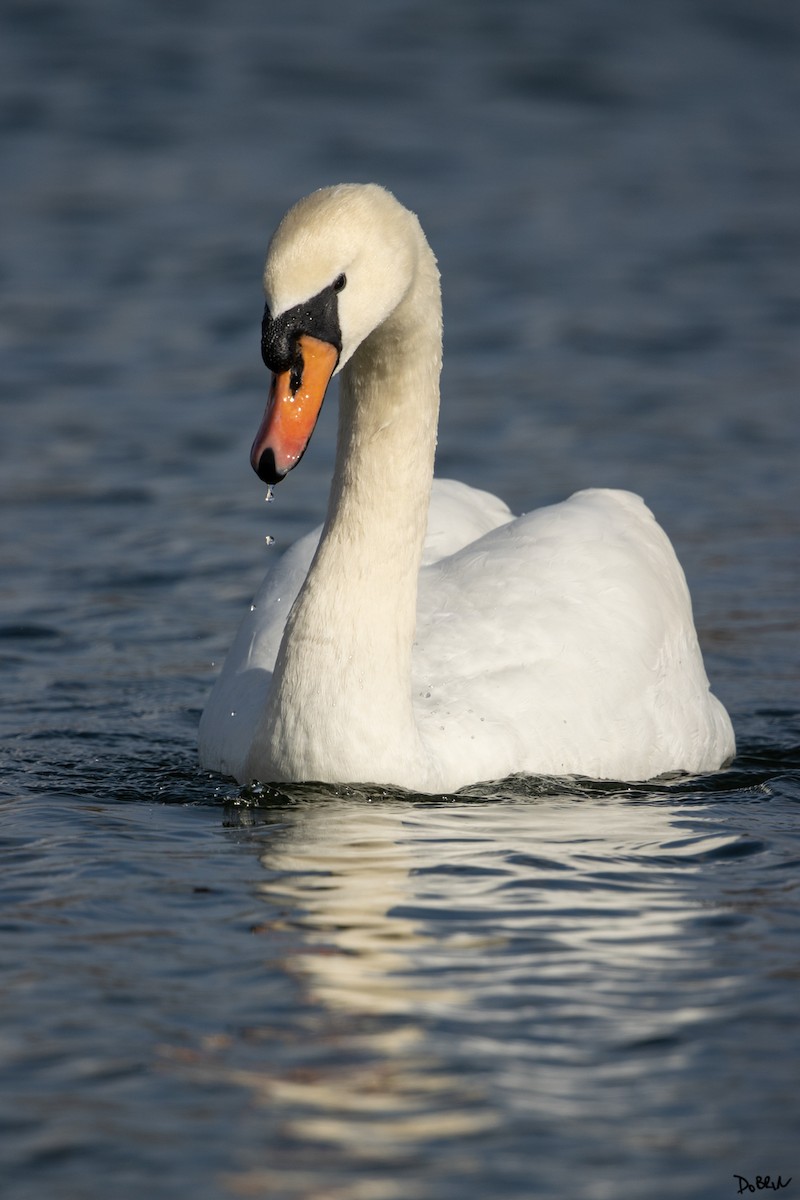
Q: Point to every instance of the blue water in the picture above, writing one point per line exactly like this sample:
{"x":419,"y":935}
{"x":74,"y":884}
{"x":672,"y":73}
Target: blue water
{"x":532,"y":989}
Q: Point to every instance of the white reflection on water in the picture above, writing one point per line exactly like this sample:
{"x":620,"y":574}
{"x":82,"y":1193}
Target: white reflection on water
{"x":486,"y":966}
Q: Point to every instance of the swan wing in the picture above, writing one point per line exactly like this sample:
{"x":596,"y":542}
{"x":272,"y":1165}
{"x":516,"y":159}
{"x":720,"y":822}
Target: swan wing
{"x":563,"y":642}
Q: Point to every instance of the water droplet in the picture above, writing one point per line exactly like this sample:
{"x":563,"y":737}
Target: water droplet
{"x":269,"y":539}
{"x":269,"y":497}
{"x":233,"y":714}
{"x":252,"y":608}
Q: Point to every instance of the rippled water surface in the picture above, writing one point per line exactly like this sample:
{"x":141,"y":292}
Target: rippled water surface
{"x":536,"y":988}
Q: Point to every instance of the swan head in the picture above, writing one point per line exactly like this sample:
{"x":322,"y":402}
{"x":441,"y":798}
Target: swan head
{"x":340,"y":262}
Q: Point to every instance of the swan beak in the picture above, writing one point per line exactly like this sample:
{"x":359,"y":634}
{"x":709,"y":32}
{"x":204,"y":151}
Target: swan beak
{"x":295,"y":400}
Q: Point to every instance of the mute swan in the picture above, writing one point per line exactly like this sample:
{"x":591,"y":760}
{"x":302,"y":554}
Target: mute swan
{"x":432,"y":639}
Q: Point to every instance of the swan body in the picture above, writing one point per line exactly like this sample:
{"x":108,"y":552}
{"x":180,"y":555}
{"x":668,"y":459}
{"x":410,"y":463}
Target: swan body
{"x":424,"y":637}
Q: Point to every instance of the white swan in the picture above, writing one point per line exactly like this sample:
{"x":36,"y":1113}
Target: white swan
{"x":433,"y":639}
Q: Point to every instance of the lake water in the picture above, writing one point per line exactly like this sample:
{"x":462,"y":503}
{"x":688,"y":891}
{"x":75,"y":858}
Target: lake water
{"x":532,"y":989}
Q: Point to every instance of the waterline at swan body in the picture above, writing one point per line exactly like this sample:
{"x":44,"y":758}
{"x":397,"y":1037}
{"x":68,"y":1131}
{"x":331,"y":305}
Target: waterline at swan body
{"x":433,"y":640}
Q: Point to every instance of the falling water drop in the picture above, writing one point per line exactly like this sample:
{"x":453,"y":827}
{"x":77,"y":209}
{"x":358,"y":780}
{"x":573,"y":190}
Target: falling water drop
{"x":268,"y":498}
{"x":269,"y":539}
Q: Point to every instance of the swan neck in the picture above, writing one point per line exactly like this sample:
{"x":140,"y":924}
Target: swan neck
{"x":388,"y":416}
{"x":342,"y":679}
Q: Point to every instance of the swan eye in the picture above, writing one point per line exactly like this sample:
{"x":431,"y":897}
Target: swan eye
{"x":339,"y":282}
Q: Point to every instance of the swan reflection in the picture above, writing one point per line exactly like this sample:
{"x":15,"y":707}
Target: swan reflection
{"x":469,"y":965}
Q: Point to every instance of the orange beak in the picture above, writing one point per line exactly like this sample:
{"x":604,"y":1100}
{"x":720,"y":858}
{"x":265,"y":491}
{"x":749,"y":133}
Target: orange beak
{"x":291,"y":415}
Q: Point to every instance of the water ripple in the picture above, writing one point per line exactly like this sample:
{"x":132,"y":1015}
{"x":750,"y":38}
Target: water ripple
{"x":536,"y":987}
